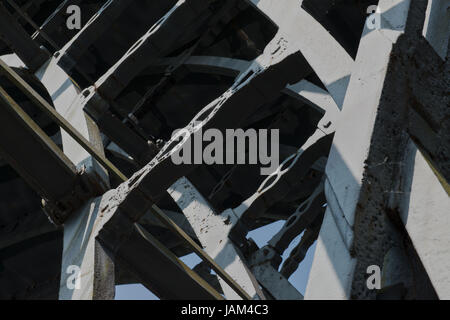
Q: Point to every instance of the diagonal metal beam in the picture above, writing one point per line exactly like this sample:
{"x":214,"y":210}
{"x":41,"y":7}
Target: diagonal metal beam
{"x":55,"y":116}
{"x":98,"y":156}
{"x":19,"y":41}
{"x":48,"y":171}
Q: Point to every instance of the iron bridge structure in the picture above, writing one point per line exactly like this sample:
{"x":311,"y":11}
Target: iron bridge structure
{"x":357,"y":89}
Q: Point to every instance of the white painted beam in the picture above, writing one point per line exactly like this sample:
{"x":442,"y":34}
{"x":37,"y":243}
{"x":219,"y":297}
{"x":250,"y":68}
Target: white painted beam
{"x":332,"y":272}
{"x":316,"y":44}
{"x":212,"y":230}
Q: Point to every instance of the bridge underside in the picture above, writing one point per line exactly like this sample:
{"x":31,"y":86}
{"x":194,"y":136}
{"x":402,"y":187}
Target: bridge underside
{"x":363,"y":120}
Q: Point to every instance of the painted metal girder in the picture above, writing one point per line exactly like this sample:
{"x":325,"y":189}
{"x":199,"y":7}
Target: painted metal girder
{"x":49,"y":171}
{"x":302,"y":32}
{"x":366,"y":182}
{"x":19,"y":41}
{"x":212,"y":229}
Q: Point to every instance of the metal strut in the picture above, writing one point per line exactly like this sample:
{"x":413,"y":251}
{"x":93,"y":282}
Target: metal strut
{"x":45,"y":106}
